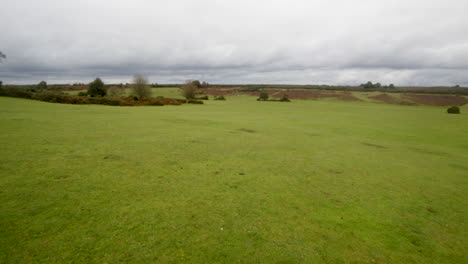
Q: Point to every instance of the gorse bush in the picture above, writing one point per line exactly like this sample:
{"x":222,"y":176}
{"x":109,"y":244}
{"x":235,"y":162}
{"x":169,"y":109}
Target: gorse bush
{"x":60,"y":97}
{"x":453,"y":110}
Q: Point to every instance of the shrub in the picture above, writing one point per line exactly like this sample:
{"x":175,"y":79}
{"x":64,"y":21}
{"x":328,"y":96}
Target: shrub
{"x":205,"y":97}
{"x":219,"y":97}
{"x":453,"y":110}
{"x":96,"y":88}
{"x":82,"y":94}
{"x":263,"y":96}
{"x":285,"y":98}
{"x":140,"y":87}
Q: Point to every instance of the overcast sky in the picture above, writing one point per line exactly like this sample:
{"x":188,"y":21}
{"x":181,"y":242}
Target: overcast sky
{"x":405,"y":42}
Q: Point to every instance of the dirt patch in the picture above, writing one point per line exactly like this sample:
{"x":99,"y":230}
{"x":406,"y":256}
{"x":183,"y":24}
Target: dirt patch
{"x":388,"y":99}
{"x":436,"y":99}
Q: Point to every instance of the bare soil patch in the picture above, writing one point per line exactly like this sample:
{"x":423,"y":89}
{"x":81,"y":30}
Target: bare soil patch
{"x":436,"y":99}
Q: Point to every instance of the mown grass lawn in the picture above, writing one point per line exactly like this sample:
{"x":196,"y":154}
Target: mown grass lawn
{"x":238,"y":181}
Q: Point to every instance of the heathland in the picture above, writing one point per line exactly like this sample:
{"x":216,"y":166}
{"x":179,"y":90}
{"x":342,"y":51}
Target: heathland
{"x":235,"y":181}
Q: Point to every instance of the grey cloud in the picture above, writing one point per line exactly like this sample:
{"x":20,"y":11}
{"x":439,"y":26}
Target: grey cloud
{"x":276,"y":41}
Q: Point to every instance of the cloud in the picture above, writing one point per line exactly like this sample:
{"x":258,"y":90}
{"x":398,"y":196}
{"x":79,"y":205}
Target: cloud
{"x":295,"y":41}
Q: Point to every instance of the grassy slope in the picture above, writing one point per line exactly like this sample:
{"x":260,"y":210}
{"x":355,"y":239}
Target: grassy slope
{"x":236,"y":181}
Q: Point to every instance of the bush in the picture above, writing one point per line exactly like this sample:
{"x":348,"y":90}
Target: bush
{"x":285,"y":98}
{"x":140,"y":87}
{"x":96,"y":88}
{"x":203,"y":97}
{"x":263,"y":96}
{"x":219,"y":98}
{"x":82,"y":94}
{"x":453,"y":110}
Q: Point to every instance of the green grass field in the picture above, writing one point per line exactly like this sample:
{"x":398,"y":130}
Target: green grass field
{"x":236,"y":181}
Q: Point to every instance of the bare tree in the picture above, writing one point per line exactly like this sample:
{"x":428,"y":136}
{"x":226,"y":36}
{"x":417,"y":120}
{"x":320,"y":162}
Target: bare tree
{"x":140,"y":87}
{"x":189,"y":90}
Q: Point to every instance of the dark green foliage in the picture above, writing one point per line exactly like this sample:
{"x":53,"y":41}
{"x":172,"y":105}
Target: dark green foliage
{"x":205,"y":97}
{"x":204,"y":85}
{"x":42,"y":85}
{"x":263,"y":96}
{"x":221,"y":97}
{"x":82,"y":94}
{"x":453,"y":110}
{"x":391,"y":86}
{"x":96,"y":88}
{"x":196,"y":83}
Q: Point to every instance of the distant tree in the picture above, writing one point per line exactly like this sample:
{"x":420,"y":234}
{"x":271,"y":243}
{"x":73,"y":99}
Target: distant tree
{"x":368,"y":85}
{"x":96,"y":88}
{"x":204,"y":84}
{"x":140,"y":87}
{"x":189,"y":90}
{"x":263,"y":96}
{"x":196,"y":83}
{"x":2,"y":56}
{"x":391,"y":86}
{"x":42,"y":85}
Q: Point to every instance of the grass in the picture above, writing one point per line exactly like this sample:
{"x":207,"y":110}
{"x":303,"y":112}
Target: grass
{"x":236,"y":181}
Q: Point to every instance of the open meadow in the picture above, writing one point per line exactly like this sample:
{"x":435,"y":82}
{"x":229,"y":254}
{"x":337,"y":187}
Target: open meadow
{"x":235,"y":181}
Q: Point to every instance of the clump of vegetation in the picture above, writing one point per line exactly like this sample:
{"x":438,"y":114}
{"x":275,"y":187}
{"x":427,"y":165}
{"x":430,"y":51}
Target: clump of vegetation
{"x":263,"y":96}
{"x":82,"y":93}
{"x":205,"y":97}
{"x":453,"y":110}
{"x":61,"y":97}
{"x":96,"y":88}
{"x":221,"y":97}
{"x":140,"y":87}
{"x":285,"y":98}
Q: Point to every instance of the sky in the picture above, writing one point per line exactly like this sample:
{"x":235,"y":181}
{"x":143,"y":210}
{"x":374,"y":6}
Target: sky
{"x":334,"y":42}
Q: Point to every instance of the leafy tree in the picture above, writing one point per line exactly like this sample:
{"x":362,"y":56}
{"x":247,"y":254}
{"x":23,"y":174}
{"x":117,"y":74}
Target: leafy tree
{"x":263,"y":96}
{"x":96,"y":88}
{"x":42,"y":85}
{"x":204,"y":84}
{"x":140,"y":87}
{"x":196,"y":83}
{"x":391,"y":86}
